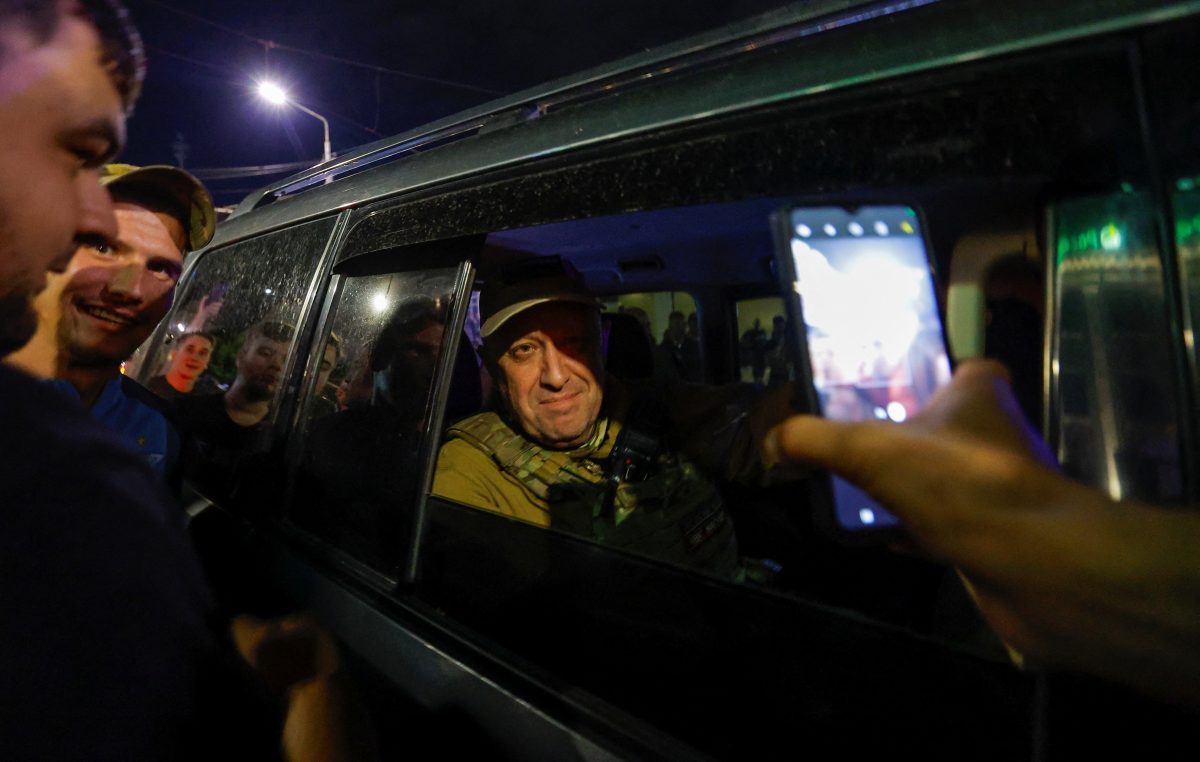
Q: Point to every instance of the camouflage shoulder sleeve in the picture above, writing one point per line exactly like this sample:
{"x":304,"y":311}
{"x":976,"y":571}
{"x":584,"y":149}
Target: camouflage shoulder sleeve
{"x":469,"y":472}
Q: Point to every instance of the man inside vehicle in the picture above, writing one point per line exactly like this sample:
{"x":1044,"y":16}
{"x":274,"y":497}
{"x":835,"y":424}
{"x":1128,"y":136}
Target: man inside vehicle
{"x":185,"y":367}
{"x":562,"y":451}
{"x":680,"y":353}
{"x":114,"y":293}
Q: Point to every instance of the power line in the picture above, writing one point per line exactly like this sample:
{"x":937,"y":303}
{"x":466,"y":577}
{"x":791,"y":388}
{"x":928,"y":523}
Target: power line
{"x":271,"y":44}
{"x":373,"y":131}
{"x":193,"y":61}
{"x":230,"y":173}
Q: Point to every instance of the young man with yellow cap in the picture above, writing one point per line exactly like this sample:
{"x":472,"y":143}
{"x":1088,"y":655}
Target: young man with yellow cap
{"x":113,"y":293}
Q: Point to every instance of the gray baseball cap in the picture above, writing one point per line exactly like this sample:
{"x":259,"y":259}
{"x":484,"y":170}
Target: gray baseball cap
{"x":527,"y":283}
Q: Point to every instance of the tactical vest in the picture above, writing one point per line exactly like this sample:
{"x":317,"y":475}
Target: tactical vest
{"x":675,"y":514}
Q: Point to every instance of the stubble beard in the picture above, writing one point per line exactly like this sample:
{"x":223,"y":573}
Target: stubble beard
{"x":18,"y":322}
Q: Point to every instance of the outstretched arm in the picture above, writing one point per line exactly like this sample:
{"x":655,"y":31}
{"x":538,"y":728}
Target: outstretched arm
{"x":1064,"y":574}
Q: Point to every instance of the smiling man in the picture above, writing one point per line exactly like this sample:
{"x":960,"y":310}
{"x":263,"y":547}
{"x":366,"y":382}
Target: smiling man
{"x":577,"y":451}
{"x":114,"y":291}
{"x":185,"y":368}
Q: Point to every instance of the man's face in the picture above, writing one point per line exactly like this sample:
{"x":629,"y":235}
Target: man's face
{"x":113,"y":294}
{"x":61,"y":118}
{"x":327,"y":363}
{"x":417,"y":356}
{"x":191,"y":358}
{"x":549,"y":373}
{"x":260,"y":366}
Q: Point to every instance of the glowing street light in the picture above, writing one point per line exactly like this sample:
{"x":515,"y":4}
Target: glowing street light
{"x":273,"y":93}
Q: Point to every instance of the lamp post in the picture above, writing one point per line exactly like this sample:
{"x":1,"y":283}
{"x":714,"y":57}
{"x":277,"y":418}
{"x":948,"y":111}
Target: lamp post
{"x":273,"y":93}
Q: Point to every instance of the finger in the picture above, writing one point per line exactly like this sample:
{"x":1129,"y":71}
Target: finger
{"x":903,"y":468}
{"x":979,"y":405}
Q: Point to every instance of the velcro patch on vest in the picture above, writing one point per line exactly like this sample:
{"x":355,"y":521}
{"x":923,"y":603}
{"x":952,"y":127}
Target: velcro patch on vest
{"x":701,"y":526}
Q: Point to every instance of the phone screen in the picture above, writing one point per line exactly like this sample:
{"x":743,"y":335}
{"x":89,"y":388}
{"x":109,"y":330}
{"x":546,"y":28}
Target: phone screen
{"x":875,"y":344}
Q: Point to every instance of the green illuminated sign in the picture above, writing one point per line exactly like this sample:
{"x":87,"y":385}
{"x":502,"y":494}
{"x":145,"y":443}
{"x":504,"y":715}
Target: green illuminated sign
{"x":1108,"y":237}
{"x":1187,"y":216}
{"x":1115,"y":225}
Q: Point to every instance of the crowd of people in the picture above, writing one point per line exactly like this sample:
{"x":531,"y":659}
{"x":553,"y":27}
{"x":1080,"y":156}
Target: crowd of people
{"x":108,"y":645}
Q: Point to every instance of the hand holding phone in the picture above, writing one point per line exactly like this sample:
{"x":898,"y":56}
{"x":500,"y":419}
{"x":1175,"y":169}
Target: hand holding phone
{"x":860,"y":283}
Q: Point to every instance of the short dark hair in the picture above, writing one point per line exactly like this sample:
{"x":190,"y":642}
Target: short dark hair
{"x":273,"y":330}
{"x":409,"y":318}
{"x":202,"y":334}
{"x":121,"y":52}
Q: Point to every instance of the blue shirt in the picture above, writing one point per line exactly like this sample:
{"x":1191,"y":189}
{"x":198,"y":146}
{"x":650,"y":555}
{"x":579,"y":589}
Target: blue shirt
{"x":140,"y":418}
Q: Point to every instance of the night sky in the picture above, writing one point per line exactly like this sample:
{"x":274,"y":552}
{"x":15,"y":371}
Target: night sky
{"x":204,"y":58}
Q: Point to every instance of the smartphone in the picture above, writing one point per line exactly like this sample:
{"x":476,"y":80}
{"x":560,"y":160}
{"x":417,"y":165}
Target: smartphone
{"x":859,"y":281}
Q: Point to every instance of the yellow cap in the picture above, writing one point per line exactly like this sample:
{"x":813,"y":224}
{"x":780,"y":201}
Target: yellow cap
{"x":175,"y":184}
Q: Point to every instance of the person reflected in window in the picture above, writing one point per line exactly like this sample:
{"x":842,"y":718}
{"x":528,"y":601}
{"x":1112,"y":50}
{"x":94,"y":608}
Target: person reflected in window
{"x":325,"y":399}
{"x":680,"y":353}
{"x":361,"y":463}
{"x":185,"y":368}
{"x":779,"y":354}
{"x":754,"y":350}
{"x":220,"y":428}
{"x":355,"y":389}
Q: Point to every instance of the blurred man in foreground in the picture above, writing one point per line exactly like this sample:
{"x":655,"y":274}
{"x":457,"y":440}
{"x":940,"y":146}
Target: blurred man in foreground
{"x":105,"y":647}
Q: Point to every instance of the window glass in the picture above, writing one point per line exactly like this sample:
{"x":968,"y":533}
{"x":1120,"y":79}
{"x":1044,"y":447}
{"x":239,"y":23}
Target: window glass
{"x":672,"y":326}
{"x":226,"y":348}
{"x":367,"y":411}
{"x":763,"y":355}
{"x":1187,"y":240}
{"x":1114,"y":378}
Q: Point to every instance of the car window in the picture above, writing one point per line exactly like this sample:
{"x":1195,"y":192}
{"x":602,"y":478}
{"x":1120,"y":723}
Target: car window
{"x":1113,"y":375}
{"x":762,"y":352}
{"x":671,"y":321}
{"x":691,"y":480}
{"x":1186,"y":202}
{"x":245,"y":302}
{"x":367,"y":411}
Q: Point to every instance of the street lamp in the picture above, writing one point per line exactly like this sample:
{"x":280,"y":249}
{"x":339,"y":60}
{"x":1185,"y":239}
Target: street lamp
{"x":273,"y":93}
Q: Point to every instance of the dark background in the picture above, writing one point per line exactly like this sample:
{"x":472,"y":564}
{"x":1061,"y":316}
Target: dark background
{"x":439,"y":59}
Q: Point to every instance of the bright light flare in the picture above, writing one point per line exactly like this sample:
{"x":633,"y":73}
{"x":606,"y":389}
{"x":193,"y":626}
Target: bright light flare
{"x":272,"y":93}
{"x":379,"y":302}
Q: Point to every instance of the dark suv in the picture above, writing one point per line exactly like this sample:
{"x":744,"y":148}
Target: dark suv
{"x":1053,"y":151}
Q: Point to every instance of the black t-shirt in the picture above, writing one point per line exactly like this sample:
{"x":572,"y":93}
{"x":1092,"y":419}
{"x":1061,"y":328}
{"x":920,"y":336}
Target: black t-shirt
{"x":107,"y":650}
{"x":216,"y":449}
{"x":204,"y":385}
